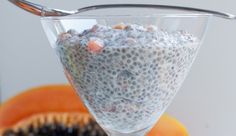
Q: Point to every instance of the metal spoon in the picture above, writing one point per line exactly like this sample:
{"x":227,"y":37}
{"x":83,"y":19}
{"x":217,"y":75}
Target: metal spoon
{"x":44,"y":11}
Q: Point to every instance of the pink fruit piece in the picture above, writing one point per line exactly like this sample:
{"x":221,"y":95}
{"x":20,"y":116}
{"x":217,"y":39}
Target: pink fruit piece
{"x":151,"y":28}
{"x":94,"y":46}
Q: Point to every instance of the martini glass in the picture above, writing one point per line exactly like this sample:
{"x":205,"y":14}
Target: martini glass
{"x":127,"y":88}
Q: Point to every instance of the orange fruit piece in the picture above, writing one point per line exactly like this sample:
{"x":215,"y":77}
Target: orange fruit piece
{"x":119,"y":26}
{"x":52,"y":98}
{"x":94,"y":46}
{"x":168,"y":126}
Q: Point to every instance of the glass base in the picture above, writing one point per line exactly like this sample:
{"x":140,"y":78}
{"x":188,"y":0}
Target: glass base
{"x":137,"y":133}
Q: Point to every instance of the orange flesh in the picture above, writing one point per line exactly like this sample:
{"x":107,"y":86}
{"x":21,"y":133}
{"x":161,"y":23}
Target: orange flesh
{"x":56,"y":98}
{"x":168,"y":126}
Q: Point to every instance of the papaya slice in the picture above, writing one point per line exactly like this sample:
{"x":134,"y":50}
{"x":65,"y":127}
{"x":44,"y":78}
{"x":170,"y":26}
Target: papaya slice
{"x":58,"y":105}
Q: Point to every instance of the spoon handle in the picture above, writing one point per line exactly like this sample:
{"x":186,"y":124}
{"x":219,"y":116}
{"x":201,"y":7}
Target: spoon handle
{"x":44,"y":11}
{"x":180,"y":8}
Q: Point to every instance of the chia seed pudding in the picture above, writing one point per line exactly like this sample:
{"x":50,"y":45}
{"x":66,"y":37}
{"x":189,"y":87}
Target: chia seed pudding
{"x":126,"y":74}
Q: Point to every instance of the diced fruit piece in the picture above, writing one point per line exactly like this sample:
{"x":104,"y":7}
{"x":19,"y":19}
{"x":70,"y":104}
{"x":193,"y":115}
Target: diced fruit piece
{"x":151,"y":28}
{"x":94,"y":46}
{"x":120,"y":26}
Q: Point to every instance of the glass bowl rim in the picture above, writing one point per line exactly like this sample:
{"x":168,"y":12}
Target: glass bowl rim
{"x":159,"y":15}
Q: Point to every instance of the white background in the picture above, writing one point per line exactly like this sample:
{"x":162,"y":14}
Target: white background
{"x":205,"y":103}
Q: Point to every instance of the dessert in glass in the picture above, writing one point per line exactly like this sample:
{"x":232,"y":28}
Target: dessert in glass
{"x":127,"y":64}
